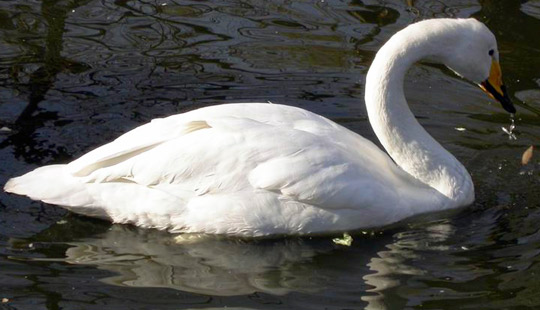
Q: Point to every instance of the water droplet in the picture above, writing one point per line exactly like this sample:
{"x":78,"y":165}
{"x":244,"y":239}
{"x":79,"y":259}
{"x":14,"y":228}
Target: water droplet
{"x":510,"y":130}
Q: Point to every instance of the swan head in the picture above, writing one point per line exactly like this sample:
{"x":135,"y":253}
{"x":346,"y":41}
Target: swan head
{"x":474,"y":56}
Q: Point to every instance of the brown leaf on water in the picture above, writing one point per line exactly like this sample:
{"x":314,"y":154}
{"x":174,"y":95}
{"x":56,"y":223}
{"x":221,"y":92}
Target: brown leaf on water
{"x":527,"y":155}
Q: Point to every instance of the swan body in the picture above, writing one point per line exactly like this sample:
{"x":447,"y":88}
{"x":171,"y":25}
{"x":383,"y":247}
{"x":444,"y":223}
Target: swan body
{"x":260,"y":169}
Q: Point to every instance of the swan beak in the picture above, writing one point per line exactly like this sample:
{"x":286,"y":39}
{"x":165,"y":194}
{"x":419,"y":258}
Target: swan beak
{"x":495,"y":88}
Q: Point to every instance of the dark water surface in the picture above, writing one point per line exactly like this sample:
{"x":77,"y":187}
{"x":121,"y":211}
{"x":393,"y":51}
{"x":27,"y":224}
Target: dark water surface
{"x":77,"y":73}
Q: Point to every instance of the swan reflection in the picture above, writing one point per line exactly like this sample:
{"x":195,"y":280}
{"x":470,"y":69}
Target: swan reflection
{"x":402,"y":259}
{"x":217,"y":266}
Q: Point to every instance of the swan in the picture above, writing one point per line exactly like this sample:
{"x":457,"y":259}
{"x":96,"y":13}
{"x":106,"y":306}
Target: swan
{"x":260,"y":169}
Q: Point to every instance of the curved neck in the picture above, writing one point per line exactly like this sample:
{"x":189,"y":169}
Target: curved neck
{"x":409,"y":145}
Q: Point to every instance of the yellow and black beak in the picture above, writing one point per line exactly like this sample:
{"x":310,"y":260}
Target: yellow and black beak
{"x":495,"y":88}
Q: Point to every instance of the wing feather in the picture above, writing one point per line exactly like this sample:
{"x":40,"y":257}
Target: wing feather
{"x":302,"y":157}
{"x":133,"y":143}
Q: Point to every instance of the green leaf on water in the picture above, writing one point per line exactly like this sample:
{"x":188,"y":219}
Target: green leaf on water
{"x":346,"y":240}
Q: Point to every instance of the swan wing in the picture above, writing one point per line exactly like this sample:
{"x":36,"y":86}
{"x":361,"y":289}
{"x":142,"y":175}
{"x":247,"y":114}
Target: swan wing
{"x":133,"y":143}
{"x":340,"y":171}
{"x":299,"y":157}
{"x":158,"y":131}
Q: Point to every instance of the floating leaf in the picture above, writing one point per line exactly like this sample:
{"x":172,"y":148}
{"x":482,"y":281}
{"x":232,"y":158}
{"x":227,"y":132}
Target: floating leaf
{"x":189,"y":238}
{"x":527,"y":155}
{"x":346,"y":240}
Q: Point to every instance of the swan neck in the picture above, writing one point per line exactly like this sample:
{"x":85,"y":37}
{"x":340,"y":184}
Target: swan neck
{"x":405,"y":140}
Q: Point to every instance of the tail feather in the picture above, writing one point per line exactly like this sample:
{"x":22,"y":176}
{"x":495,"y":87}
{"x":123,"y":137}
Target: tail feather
{"x":117,"y":201}
{"x":51,"y":184}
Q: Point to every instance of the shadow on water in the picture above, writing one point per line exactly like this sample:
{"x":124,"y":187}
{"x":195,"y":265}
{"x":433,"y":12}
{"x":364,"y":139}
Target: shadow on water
{"x":75,"y":74}
{"x":41,"y":81}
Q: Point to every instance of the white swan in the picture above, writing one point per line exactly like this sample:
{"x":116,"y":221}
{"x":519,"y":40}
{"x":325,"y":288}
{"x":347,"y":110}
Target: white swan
{"x":263,"y":169}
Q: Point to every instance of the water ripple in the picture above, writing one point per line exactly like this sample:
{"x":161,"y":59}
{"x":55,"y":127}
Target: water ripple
{"x":75,"y":74}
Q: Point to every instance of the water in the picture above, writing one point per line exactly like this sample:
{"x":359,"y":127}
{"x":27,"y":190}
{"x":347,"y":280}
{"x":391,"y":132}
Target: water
{"x":75,"y":74}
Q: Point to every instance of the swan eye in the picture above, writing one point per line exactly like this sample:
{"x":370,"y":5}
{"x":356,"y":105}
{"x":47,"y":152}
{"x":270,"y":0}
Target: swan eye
{"x":491,"y":52}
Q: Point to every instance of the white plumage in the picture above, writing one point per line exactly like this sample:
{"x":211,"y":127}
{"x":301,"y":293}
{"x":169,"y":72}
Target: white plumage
{"x":259,"y":169}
